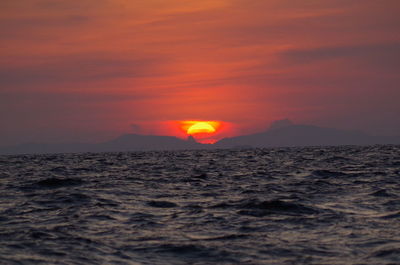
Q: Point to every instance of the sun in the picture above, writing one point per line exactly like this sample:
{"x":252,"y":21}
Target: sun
{"x":203,"y":131}
{"x":200,"y":127}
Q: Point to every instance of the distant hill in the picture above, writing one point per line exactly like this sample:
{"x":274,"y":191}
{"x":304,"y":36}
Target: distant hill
{"x":128,"y":142}
{"x":304,"y":135}
{"x":281,"y":134}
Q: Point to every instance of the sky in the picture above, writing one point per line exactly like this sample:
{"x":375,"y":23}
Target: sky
{"x":91,"y":70}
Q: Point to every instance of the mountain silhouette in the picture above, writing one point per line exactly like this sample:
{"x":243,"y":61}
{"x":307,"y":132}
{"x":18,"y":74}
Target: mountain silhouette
{"x":123,"y":143}
{"x":280,"y":134}
{"x":138,"y":142}
{"x":304,"y":135}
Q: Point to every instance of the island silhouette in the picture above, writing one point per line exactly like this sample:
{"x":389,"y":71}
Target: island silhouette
{"x":281,"y":133}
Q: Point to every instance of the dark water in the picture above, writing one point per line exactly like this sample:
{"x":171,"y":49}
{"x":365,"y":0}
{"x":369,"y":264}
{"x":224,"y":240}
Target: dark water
{"x":336,"y":205}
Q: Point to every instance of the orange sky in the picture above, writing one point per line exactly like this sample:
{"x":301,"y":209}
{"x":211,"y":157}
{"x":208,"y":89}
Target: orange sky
{"x":91,"y":70}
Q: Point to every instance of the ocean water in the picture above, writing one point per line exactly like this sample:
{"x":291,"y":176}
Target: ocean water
{"x":331,"y":205}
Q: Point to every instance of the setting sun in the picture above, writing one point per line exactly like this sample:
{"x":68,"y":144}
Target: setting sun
{"x":201,"y":127}
{"x":203,"y":131}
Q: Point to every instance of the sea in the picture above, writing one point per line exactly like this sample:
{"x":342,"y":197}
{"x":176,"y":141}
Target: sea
{"x":309,"y":205}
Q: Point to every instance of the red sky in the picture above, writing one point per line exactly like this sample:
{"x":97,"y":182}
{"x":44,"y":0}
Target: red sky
{"x":91,"y":70}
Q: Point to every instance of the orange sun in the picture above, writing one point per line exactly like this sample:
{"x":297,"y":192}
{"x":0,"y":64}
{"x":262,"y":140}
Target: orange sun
{"x":200,"y":127}
{"x":202,"y":131}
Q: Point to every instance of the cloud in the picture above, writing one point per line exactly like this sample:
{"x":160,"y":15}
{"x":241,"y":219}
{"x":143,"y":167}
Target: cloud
{"x":385,"y":55}
{"x":65,"y":98}
{"x":30,"y":27}
{"x":77,"y":68}
{"x":136,"y":128}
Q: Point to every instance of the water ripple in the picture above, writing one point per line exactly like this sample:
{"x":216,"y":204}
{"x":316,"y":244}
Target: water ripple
{"x":313,"y":205}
